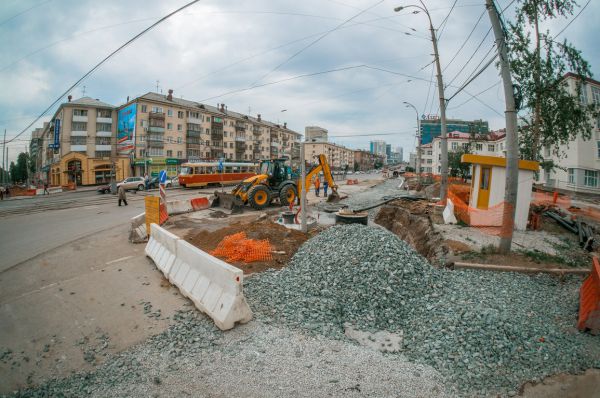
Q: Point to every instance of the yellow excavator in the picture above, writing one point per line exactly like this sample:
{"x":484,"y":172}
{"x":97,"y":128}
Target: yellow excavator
{"x":274,"y":181}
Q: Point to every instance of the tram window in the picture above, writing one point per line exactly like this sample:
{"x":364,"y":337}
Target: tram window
{"x":243,"y":169}
{"x":236,"y":169}
{"x":228,"y":169}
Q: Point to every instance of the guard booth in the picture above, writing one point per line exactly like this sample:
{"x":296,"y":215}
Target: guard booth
{"x":488,"y":181}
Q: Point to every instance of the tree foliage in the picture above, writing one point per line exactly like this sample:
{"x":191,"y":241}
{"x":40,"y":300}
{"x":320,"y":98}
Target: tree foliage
{"x":456,"y":167}
{"x":550,"y":116}
{"x":20,"y":171}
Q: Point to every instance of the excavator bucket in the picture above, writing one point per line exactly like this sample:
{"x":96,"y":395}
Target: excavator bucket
{"x":333,"y":197}
{"x":228,"y":201}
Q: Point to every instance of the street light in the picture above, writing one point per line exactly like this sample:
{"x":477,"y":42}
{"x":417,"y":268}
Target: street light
{"x":444,"y":135}
{"x":418,"y":165}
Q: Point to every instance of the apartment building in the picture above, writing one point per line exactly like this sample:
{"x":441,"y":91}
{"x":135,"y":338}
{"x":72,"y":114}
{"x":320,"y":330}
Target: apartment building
{"x":579,"y":169}
{"x":338,"y":156}
{"x":366,"y":160}
{"x":162,"y":132}
{"x":78,"y":146}
{"x":315,"y":134}
{"x":492,"y":144}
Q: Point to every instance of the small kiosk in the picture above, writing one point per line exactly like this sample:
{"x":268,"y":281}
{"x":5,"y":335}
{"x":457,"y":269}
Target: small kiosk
{"x":487,"y":190}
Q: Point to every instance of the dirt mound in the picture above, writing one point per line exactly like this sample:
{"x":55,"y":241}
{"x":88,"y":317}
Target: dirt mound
{"x":411,"y":222}
{"x":285,"y":242}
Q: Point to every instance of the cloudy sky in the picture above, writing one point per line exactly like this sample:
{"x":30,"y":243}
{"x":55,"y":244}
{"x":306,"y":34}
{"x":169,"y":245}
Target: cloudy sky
{"x":373,"y":60}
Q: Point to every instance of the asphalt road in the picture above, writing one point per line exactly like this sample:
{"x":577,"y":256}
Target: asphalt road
{"x":29,"y":227}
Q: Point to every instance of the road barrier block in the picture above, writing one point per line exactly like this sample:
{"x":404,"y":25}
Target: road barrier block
{"x":200,"y":203}
{"x":215,"y":287}
{"x":137,"y":230}
{"x":179,"y":206}
{"x":162,"y":248}
{"x":589,"y":300}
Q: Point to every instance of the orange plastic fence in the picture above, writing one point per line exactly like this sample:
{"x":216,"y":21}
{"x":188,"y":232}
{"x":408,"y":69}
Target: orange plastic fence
{"x":550,"y":198}
{"x":238,"y":247}
{"x":589,"y":300}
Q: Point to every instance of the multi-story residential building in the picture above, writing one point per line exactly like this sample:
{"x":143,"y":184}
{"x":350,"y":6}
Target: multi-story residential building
{"x":79,"y":145}
{"x":315,"y":134}
{"x":412,"y":160}
{"x":492,"y":144}
{"x":162,"y":131}
{"x":339,"y":157}
{"x":366,"y":160}
{"x":431,"y":127}
{"x":35,"y":147}
{"x":578,"y":169}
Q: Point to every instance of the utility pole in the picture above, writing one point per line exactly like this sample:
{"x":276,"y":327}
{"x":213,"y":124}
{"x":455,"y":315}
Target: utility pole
{"x":302,"y":188}
{"x":512,"y":147}
{"x":3,"y":167}
{"x":418,"y":165}
{"x":440,"y":82}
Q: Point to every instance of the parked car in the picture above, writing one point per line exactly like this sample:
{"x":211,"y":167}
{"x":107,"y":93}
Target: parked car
{"x":103,"y":189}
{"x":132,"y":183}
{"x":154,"y":183}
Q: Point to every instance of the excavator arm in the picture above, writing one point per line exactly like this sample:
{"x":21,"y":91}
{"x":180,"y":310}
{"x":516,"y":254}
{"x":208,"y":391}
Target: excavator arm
{"x":322,"y":167}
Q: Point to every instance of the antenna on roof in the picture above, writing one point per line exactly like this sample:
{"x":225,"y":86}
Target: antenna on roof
{"x":157,"y":86}
{"x":83,"y":91}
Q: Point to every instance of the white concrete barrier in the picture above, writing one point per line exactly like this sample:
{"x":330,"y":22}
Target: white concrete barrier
{"x":215,"y":287}
{"x":179,"y":207}
{"x":162,"y":248}
{"x":137,"y":230}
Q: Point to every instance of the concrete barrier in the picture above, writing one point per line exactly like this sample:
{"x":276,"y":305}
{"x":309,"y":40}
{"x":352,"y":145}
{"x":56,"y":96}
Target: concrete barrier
{"x":215,"y":287}
{"x":137,"y":229}
{"x":179,"y":207}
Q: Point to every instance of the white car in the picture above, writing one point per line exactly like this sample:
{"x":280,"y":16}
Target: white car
{"x":132,"y":183}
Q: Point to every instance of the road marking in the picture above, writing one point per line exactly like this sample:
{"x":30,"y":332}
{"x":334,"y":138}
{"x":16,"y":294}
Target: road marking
{"x":119,"y":259}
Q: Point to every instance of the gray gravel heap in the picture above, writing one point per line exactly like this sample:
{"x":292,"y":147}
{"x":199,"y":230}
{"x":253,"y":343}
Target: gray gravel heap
{"x":487,"y":332}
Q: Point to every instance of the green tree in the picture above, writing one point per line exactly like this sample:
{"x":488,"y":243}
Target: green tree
{"x":22,"y":166}
{"x":13,"y":172}
{"x":456,"y":167}
{"x":550,"y":116}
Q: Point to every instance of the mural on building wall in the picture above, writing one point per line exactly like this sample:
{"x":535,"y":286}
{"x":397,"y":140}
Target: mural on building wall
{"x":126,"y":130}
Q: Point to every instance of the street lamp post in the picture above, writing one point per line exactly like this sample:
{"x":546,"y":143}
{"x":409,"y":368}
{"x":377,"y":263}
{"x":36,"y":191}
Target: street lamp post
{"x":418,"y":165}
{"x":440,"y":82}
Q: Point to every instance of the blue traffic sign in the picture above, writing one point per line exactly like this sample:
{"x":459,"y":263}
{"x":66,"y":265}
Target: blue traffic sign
{"x":162,"y":176}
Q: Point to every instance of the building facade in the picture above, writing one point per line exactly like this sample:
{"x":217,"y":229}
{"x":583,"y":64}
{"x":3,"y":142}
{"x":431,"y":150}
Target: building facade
{"x":338,"y":157}
{"x":170,"y":131}
{"x":431,"y":127}
{"x":377,"y":147}
{"x":79,"y":145}
{"x":579,"y":169}
{"x":315,"y":134}
{"x":366,"y":160}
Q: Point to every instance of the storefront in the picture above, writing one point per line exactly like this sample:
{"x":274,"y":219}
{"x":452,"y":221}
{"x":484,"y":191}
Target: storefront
{"x":153,"y":166}
{"x":77,"y":169}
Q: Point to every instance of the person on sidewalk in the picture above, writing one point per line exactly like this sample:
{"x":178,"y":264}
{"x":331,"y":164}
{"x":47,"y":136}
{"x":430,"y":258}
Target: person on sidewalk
{"x":146,"y":181}
{"x":325,"y":186}
{"x":122,"y":195}
{"x":1,"y":193}
{"x":317,"y":185}
{"x":46,"y":188}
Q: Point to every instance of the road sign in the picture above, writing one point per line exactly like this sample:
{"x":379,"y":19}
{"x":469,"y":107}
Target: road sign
{"x":220,"y":167}
{"x":162,"y":176}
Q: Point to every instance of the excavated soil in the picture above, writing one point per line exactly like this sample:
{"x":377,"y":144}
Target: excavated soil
{"x":411,"y":221}
{"x":285,"y":242}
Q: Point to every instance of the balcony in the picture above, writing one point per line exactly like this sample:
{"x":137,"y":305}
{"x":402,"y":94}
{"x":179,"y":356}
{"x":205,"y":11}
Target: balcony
{"x":216,"y":135}
{"x":215,"y":153}
{"x":79,"y":118}
{"x":103,"y":133}
{"x":193,"y":145}
{"x":78,"y":148}
{"x":194,"y":120}
{"x":156,"y":129}
{"x":194,"y":133}
{"x":240,"y":128}
{"x":103,"y":147}
{"x":240,"y":139}
{"x":156,"y":115}
{"x":107,"y":120}
{"x":274,"y":143}
{"x":155,"y":144}
{"x":79,"y":134}
{"x":240,"y":146}
{"x":256,"y":149}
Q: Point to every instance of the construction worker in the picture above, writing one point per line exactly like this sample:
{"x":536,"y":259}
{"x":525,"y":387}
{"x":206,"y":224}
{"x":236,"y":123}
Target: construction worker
{"x":122,"y":195}
{"x":46,"y":188}
{"x":317,"y":185}
{"x":325,"y":186}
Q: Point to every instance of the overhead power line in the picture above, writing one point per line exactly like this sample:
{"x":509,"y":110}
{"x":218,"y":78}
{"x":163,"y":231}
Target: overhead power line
{"x":471,"y":57}
{"x":104,"y":60}
{"x":465,"y":41}
{"x":444,"y":22}
{"x":24,"y":11}
{"x":574,"y":18}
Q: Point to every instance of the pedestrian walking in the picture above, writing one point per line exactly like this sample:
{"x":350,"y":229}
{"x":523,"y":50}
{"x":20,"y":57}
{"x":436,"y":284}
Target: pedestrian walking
{"x":1,"y":193}
{"x":325,"y":186}
{"x":146,"y":181}
{"x":317,"y":185}
{"x":46,"y":188}
{"x":122,"y":195}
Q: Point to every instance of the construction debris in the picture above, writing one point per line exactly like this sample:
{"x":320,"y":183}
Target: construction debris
{"x":486,"y":332}
{"x":576,"y":226}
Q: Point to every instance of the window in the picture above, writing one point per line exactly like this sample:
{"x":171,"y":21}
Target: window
{"x":169,"y":126}
{"x":195,"y":115}
{"x":157,"y":109}
{"x":590,"y":178}
{"x":485,"y":178}
{"x":225,"y":134}
{"x":571,"y":176}
{"x":179,"y":154}
{"x":142,"y":153}
{"x":180,"y":114}
{"x":78,"y":140}
{"x":429,"y":161}
{"x":102,"y":154}
{"x":155,"y":152}
{"x":479,"y":147}
{"x":179,"y":127}
{"x":179,"y":140}
{"x":596,"y":95}
{"x":143,"y":123}
{"x":104,"y":112}
{"x":429,"y":152}
{"x":465,"y":145}
{"x":207,"y":131}
{"x":79,"y":112}
{"x":169,"y":153}
{"x":598,"y":149}
{"x":207,"y":143}
{"x":454,"y":146}
{"x":103,"y":127}
{"x":79,"y":126}
{"x":491,"y":148}
{"x":230,"y":144}
{"x":169,"y":112}
{"x":144,"y":108}
{"x":583,"y":96}
{"x":102,"y":140}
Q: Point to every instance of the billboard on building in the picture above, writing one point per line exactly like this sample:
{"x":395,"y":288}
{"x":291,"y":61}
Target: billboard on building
{"x":126,"y":129}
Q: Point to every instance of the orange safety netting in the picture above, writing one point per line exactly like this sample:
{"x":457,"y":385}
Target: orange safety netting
{"x":488,"y":220}
{"x":238,"y":247}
